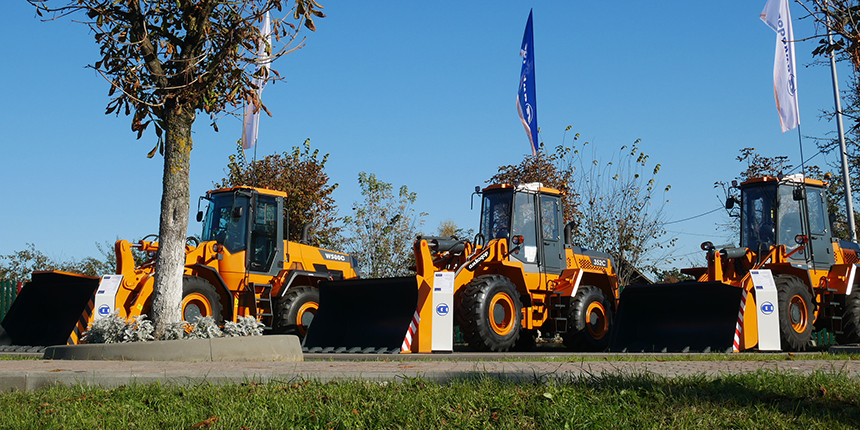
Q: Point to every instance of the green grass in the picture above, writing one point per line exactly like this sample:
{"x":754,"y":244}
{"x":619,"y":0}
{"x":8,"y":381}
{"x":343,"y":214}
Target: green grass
{"x":19,"y":357}
{"x":764,"y":399}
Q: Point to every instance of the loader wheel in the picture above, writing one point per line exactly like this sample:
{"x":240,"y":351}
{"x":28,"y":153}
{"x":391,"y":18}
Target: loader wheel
{"x":589,"y":319}
{"x":490,"y":312}
{"x":795,"y":312}
{"x":295,"y":311}
{"x":851,"y":318}
{"x":199,"y":299}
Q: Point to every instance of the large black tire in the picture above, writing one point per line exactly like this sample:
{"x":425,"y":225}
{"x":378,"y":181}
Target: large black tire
{"x":796,"y":312}
{"x":490,"y":313}
{"x":295,"y":311}
{"x":851,"y":318}
{"x":589,"y":320}
{"x":199,"y":299}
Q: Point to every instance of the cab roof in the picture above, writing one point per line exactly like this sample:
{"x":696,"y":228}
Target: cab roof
{"x":534,"y":187}
{"x":264,"y":191}
{"x":797,"y":179}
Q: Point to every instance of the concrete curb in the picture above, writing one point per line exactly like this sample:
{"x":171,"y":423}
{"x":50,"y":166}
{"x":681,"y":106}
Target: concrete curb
{"x":248,"y":348}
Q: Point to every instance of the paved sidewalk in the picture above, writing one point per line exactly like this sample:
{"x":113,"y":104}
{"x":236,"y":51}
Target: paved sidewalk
{"x":34,"y":374}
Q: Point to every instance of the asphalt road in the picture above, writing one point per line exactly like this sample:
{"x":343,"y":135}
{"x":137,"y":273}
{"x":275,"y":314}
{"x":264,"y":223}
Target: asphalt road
{"x":34,"y":374}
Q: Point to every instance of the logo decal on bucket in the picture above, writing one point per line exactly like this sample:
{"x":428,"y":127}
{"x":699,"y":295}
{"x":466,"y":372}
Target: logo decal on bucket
{"x":442,"y":309}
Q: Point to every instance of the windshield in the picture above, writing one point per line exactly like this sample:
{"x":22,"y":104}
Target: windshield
{"x":496,"y":215}
{"x":220,"y":224}
{"x":757,"y":217}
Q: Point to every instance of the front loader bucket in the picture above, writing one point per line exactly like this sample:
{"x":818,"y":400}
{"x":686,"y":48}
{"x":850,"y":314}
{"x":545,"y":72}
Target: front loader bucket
{"x":48,"y":308}
{"x":690,"y":316}
{"x":363,"y":315}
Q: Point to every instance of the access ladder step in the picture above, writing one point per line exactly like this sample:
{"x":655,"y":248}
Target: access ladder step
{"x":561,"y":325}
{"x":264,"y":309}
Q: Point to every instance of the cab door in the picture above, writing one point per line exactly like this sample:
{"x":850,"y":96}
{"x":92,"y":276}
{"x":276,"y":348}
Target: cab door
{"x":266,"y":246}
{"x":552,"y":248}
{"x":524,"y":223}
{"x":819,"y":232}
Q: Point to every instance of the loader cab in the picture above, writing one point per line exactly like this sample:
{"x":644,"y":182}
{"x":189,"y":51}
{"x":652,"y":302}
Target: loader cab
{"x":251,"y":220}
{"x":531,"y":215}
{"x":775,"y":211}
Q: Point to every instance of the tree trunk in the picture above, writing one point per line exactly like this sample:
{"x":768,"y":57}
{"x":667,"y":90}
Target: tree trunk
{"x":173,"y":225}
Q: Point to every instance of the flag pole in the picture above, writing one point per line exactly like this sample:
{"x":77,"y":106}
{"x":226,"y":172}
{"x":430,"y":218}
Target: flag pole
{"x":802,"y":161}
{"x":846,"y":179}
{"x":254,"y":164}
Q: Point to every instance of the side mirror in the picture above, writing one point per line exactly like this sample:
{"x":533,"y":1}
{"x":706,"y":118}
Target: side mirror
{"x":199,"y":216}
{"x":237,"y":212}
{"x":730,"y":203}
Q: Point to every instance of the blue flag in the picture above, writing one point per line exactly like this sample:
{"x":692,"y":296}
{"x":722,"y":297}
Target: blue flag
{"x":526,"y":99}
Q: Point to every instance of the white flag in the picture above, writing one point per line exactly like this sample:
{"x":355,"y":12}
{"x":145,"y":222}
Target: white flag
{"x":778,"y":17}
{"x":251,"y":121}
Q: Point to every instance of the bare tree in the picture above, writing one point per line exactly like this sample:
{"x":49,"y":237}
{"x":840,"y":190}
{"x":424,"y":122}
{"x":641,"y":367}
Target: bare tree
{"x":614,"y":206}
{"x":166,"y":60}
{"x":449,"y":228}
{"x":622,"y":208}
{"x":382,"y":228}
{"x":841,"y":19}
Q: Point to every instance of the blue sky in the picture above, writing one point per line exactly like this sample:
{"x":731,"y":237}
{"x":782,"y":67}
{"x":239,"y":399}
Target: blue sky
{"x":421,"y":94}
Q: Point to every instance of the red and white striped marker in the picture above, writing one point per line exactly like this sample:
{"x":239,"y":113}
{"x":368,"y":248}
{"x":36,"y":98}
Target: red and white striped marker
{"x":413,"y":328}
{"x":737,"y":344}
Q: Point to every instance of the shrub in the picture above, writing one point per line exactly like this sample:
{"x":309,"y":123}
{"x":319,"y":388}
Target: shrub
{"x":113,"y":329}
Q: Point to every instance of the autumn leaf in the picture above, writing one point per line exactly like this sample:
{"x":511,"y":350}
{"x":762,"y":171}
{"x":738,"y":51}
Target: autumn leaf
{"x":206,"y":423}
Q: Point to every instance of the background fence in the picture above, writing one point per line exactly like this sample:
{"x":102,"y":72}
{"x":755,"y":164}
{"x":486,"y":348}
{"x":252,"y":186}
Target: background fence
{"x":8,"y":293}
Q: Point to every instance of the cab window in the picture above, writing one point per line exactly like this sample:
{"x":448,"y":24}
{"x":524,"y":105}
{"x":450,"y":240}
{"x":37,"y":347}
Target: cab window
{"x":525,"y":226}
{"x":264,"y":232}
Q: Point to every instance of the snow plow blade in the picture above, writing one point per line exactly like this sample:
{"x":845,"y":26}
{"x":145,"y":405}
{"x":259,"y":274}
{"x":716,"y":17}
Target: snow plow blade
{"x":48,"y":308}
{"x":363,"y":315}
{"x":685,"y":317}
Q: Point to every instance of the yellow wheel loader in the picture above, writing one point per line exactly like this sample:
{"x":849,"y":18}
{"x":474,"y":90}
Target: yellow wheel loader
{"x":243,"y":266}
{"x":521,"y":275}
{"x":788,"y":278}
